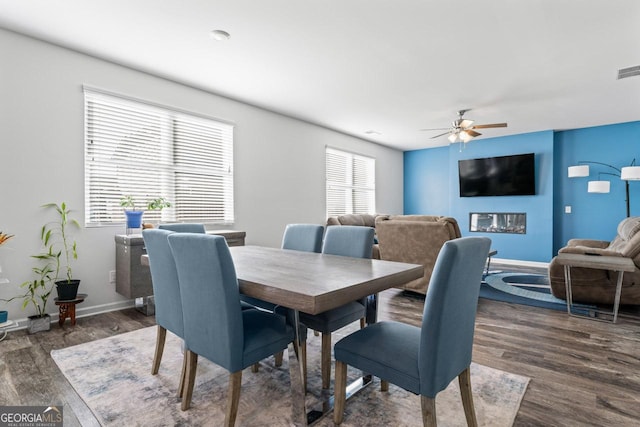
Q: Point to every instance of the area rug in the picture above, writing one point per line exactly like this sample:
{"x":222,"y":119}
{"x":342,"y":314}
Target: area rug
{"x":526,"y":289}
{"x":112,"y":376}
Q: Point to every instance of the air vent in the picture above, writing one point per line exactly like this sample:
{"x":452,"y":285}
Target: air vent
{"x":623,"y":73}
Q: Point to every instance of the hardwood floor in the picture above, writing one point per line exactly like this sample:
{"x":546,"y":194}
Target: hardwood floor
{"x":583,"y":372}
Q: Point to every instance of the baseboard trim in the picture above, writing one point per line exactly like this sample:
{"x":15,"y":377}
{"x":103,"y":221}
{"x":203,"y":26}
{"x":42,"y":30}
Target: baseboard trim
{"x":520,"y":262}
{"x":80,"y":312}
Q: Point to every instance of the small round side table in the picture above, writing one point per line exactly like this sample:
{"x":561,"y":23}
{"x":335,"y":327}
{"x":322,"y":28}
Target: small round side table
{"x":67,"y":308}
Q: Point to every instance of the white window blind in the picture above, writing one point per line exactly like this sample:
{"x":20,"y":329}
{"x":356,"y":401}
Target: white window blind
{"x":351,"y":183}
{"x":146,"y":151}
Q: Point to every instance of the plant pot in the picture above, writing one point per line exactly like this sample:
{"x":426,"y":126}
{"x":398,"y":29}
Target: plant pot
{"x":39,"y":323}
{"x":134,"y":218}
{"x":67,"y":290}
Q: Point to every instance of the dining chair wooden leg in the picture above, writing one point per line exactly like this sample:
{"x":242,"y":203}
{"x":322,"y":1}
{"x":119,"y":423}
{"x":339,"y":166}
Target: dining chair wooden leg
{"x":363,"y":323}
{"x":192,"y":364}
{"x":428,"y":405}
{"x":255,"y":367}
{"x":464,"y":380}
{"x":161,"y":336}
{"x":233,"y":399}
{"x":325,"y":365}
{"x":278,"y":358}
{"x":339,"y":392}
{"x":183,"y":375}
{"x":384,"y":385}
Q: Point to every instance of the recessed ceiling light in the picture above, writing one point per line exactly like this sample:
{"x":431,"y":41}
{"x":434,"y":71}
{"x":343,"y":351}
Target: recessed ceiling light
{"x":219,"y":35}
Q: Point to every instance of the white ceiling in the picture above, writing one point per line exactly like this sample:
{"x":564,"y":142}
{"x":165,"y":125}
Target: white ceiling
{"x":356,"y":65}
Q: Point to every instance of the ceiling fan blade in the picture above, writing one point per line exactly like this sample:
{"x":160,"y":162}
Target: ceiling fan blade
{"x":442,"y":134}
{"x":473,"y":133}
{"x":433,"y":129}
{"x":465,"y":123}
{"x":493,"y":125}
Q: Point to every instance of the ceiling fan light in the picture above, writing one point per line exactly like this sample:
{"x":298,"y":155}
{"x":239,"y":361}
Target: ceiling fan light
{"x":464,"y":136}
{"x":599,"y":187}
{"x":453,"y":137}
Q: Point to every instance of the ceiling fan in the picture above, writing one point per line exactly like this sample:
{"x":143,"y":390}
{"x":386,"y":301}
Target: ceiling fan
{"x":463,"y":130}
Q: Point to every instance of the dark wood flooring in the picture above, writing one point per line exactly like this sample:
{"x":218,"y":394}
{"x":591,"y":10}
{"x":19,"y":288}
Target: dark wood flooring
{"x":583,"y":372}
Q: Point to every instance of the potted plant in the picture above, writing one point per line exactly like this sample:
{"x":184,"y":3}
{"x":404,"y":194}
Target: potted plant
{"x":61,"y":249}
{"x":58,"y":248}
{"x":156,"y":204}
{"x":134,"y":216}
{"x":3,"y":239}
{"x":37,"y":293}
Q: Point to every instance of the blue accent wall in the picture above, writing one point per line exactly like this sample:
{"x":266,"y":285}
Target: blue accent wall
{"x":432,"y":188}
{"x":425,"y":180}
{"x":594,"y":216}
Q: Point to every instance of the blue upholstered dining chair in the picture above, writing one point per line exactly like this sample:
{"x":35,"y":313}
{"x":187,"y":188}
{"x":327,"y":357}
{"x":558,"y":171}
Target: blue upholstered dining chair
{"x":193,"y":228}
{"x":303,"y":237}
{"x":345,"y":240}
{"x":297,"y":237}
{"x":424,"y":360}
{"x":215,"y":325}
{"x":183,"y":227}
{"x":164,"y":279}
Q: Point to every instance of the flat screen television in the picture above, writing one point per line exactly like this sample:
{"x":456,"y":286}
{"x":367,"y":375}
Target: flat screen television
{"x":498,"y":176}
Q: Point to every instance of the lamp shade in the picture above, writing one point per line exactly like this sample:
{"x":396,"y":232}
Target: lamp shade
{"x":577,"y":171}
{"x":464,"y":136}
{"x":630,"y":173}
{"x":598,"y":187}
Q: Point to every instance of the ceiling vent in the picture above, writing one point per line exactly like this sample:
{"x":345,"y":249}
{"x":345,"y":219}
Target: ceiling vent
{"x":623,"y":73}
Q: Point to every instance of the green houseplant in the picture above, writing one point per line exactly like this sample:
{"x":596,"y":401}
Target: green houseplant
{"x":57,"y":239}
{"x":4,"y":237}
{"x":134,"y":216}
{"x":158,"y":204}
{"x":59,"y":251}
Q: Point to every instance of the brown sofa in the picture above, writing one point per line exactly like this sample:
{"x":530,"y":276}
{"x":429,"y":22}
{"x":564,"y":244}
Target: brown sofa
{"x":589,"y":285}
{"x":415,"y":239}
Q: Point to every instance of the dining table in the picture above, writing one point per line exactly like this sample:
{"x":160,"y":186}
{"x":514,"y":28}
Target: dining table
{"x":314,"y":283}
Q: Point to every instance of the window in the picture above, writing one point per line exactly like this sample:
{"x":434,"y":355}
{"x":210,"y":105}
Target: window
{"x":148,"y":151}
{"x":351,"y":183}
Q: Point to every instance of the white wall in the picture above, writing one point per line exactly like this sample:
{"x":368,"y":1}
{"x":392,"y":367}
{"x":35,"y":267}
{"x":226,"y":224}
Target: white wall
{"x":279,"y":161}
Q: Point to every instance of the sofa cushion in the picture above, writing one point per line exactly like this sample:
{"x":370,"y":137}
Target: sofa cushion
{"x":629,"y":228}
{"x":365,"y":220}
{"x":627,"y":242}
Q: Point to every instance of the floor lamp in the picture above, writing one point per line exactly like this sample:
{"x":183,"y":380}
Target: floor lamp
{"x":627,"y":173}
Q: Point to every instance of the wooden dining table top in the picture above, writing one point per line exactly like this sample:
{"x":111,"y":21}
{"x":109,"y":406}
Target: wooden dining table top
{"x":311,"y":282}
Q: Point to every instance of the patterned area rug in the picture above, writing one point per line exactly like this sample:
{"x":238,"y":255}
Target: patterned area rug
{"x":113,"y":378}
{"x":526,"y":289}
